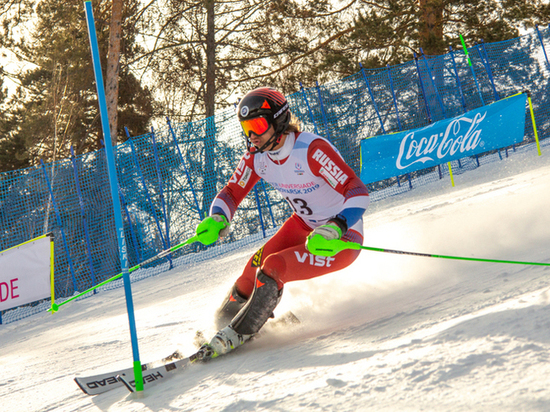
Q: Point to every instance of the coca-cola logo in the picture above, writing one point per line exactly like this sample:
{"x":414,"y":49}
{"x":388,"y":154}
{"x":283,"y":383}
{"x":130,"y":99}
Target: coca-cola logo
{"x":422,"y":148}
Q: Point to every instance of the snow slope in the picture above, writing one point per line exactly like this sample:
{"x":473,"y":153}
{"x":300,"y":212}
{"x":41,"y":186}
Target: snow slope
{"x":389,"y":333}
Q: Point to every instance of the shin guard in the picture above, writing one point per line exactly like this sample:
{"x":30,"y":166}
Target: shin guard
{"x":259,"y":307}
{"x":231,"y":305}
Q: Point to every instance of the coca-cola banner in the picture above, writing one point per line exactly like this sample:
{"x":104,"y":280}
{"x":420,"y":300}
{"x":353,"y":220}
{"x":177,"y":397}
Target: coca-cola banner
{"x":26,"y":272}
{"x":491,"y":127}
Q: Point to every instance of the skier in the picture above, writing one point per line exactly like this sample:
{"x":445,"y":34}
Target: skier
{"x":328,"y":200}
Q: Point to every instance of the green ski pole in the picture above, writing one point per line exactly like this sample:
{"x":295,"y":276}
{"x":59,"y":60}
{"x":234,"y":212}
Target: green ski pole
{"x":55,"y":307}
{"x":318,"y":245}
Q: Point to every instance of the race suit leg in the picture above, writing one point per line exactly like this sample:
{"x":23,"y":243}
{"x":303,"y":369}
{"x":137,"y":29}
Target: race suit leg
{"x":285,"y":257}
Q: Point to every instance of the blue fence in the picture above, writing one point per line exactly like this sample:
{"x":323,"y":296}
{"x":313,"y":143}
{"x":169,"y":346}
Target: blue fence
{"x":169,"y":177}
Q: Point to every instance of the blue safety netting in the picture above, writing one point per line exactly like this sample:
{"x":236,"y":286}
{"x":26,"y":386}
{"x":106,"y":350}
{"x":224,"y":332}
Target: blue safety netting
{"x":168,"y":178}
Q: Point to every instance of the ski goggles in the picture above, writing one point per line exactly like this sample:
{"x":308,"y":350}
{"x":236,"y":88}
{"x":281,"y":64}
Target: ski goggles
{"x":258,"y":125}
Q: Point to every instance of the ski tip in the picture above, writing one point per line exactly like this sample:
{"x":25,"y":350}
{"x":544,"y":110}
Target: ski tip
{"x":81,"y":387}
{"x":292,"y":318}
{"x":287,"y":319}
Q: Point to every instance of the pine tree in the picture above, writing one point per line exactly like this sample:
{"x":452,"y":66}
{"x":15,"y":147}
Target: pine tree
{"x":55,"y":105}
{"x":202,"y":54}
{"x":390,"y":31}
{"x":12,"y":149}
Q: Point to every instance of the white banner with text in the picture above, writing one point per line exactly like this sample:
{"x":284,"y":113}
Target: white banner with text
{"x":26,"y":272}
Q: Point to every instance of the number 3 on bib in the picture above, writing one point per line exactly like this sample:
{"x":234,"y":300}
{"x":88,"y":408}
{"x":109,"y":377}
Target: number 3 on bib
{"x":300,"y":206}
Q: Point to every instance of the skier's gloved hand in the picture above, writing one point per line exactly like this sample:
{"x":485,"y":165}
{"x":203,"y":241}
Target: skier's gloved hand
{"x":334,"y":229}
{"x":325,"y":240}
{"x":212,"y":228}
{"x":329,"y":232}
{"x":321,"y":241}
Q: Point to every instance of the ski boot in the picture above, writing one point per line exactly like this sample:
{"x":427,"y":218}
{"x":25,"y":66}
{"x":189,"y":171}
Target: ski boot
{"x":232,"y":304}
{"x":204,"y":354}
{"x":223,"y":342}
{"x":259,"y":307}
{"x":250,"y":319}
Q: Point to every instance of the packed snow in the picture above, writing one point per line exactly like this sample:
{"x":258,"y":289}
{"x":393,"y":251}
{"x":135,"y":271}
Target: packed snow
{"x":389,"y":333}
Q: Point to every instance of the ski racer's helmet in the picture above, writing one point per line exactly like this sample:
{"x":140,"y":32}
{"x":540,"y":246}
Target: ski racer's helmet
{"x":258,"y":110}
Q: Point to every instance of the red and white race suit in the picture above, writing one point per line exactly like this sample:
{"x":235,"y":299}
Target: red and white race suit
{"x":318,"y":185}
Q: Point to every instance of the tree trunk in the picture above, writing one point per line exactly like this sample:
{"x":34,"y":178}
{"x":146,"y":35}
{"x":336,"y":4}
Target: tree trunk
{"x":113,"y":66}
{"x":431,"y":27}
{"x":209,"y":99}
{"x":210,"y":188}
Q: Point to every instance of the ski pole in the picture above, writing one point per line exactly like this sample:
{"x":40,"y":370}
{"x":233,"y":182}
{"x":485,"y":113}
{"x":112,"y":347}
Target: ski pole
{"x":55,"y":306}
{"x":318,"y":245}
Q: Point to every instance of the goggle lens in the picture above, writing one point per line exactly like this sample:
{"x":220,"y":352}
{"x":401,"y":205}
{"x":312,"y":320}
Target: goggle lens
{"x":257,"y":125}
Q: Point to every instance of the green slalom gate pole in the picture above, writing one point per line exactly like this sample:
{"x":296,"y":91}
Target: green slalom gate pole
{"x":465,"y":49}
{"x":55,"y":307}
{"x":471,"y":68}
{"x":533,"y":121}
{"x":318,"y":245}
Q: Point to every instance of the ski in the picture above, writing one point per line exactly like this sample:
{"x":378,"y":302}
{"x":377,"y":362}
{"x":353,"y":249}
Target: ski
{"x":104,"y":382}
{"x":160,"y":373}
{"x":157,"y":374}
{"x":158,"y":370}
